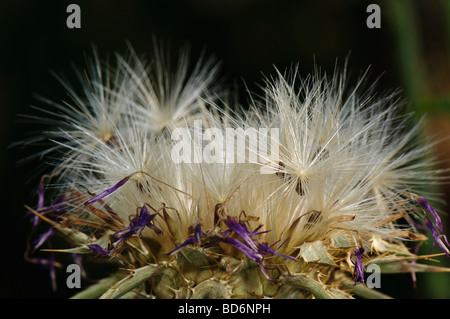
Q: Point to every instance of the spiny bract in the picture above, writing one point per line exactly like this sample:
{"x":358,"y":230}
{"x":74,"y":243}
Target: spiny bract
{"x":149,"y":180}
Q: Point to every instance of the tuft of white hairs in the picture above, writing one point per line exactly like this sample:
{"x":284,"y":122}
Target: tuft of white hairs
{"x":348,"y":160}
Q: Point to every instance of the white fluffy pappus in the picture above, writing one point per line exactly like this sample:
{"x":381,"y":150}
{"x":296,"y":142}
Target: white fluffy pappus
{"x":120,"y":123}
{"x":348,"y":165}
{"x":348,"y":161}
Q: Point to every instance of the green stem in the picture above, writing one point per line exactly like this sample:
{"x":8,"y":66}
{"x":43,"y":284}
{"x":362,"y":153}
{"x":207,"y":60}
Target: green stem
{"x":365,"y":292}
{"x":404,"y":26}
{"x":136,"y":278}
{"x":305,"y":283}
{"x":98,"y":289}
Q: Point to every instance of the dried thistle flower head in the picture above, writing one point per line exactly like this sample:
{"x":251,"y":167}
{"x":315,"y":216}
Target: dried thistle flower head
{"x":155,"y":179}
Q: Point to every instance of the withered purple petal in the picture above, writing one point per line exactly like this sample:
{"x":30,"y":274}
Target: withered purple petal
{"x":437,"y":237}
{"x":419,"y":227}
{"x":137,"y":225}
{"x":445,"y":238}
{"x":108,"y":191}
{"x":155,"y":229}
{"x":98,"y":249}
{"x":256,"y":229}
{"x":359,"y":267}
{"x":281,"y":243}
{"x":256,"y":256}
{"x":198,"y":232}
{"x":57,"y":206}
{"x":226,"y":233}
{"x":255,"y":232}
{"x":139,"y":222}
{"x":242,"y":231}
{"x":433,"y":212}
{"x":195,"y":239}
{"x":248,"y":251}
{"x":40,"y":195}
{"x":42,"y":238}
{"x":269,"y":250}
{"x":254,"y":250}
{"x":189,"y":241}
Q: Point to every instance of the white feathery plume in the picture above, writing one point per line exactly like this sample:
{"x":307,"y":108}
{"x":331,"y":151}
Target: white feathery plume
{"x":165,"y":95}
{"x":344,"y":161}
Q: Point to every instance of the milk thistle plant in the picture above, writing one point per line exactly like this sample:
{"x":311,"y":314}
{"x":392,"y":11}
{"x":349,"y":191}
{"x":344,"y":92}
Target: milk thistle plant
{"x":340,"y":190}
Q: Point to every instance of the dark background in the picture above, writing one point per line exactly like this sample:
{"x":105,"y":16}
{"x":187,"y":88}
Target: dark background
{"x":249,"y":37}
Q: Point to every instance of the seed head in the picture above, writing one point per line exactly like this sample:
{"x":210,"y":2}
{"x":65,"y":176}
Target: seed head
{"x":345,"y":166}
